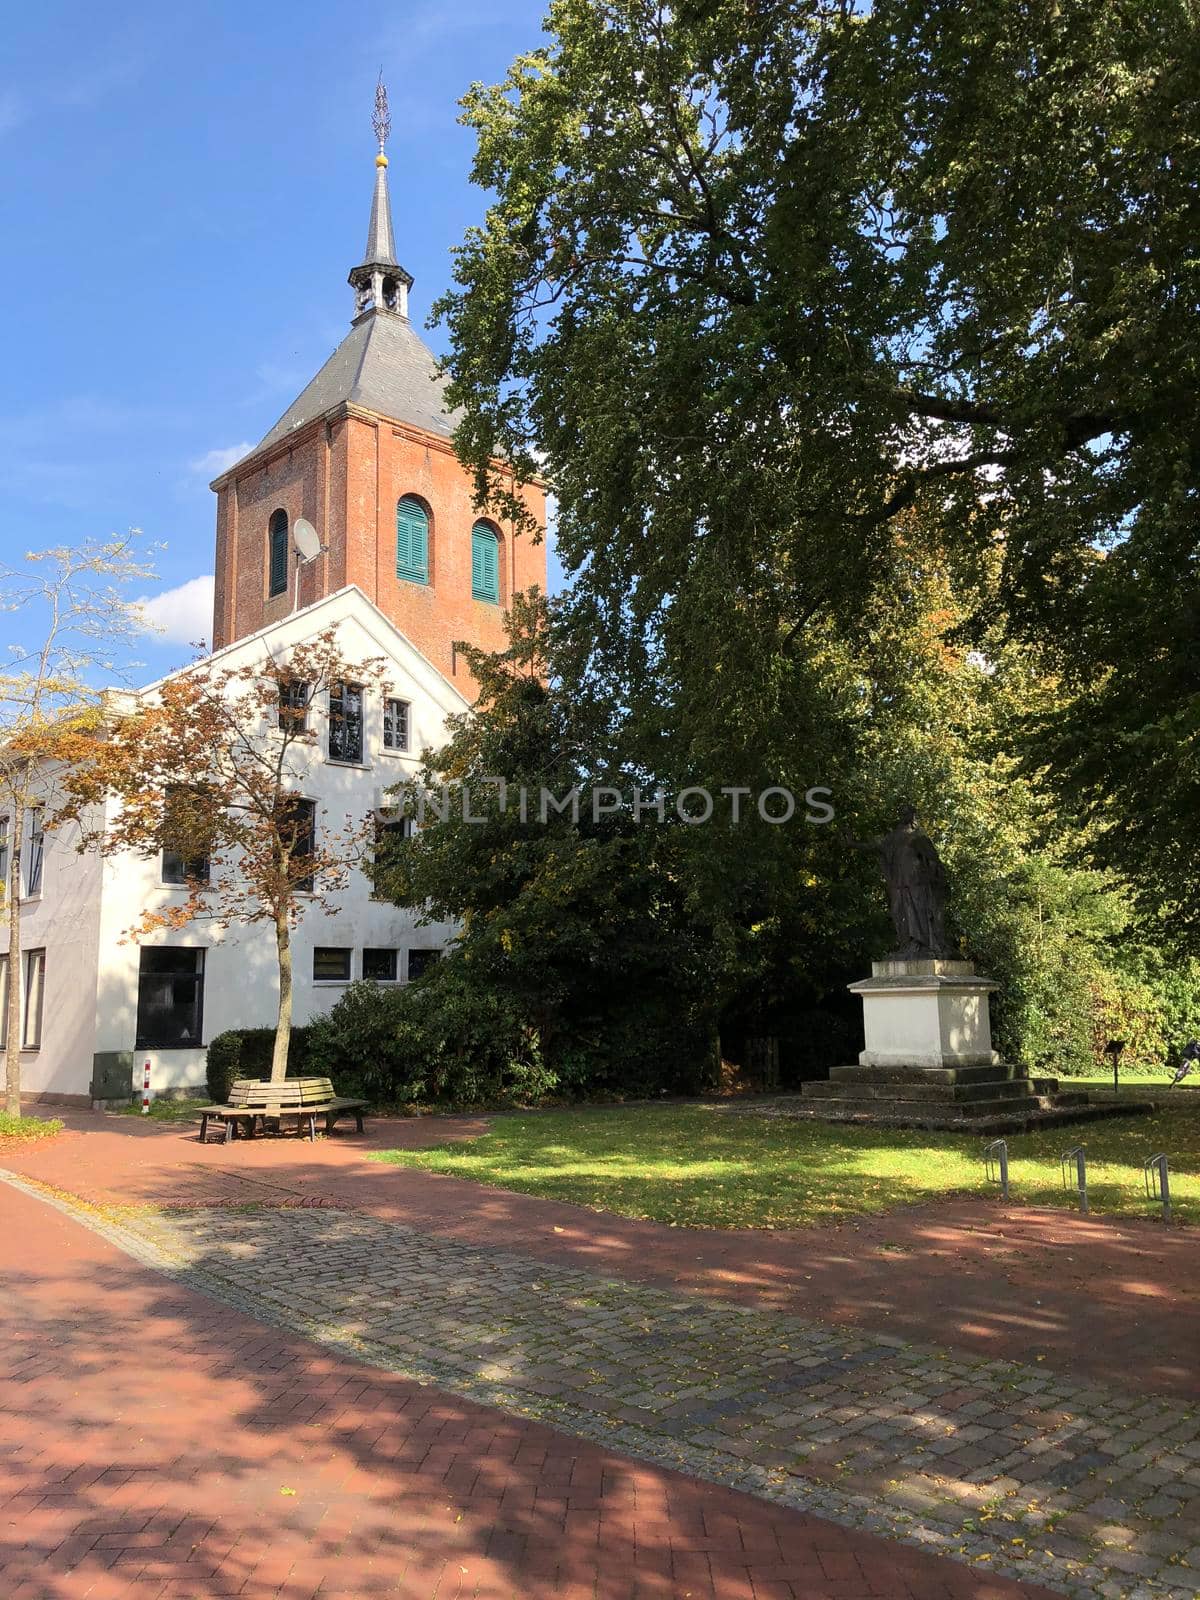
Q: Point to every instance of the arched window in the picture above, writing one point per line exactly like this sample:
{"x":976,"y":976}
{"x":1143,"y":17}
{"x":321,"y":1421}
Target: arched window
{"x":412,"y":540}
{"x":277,"y":553}
{"x":485,"y":563}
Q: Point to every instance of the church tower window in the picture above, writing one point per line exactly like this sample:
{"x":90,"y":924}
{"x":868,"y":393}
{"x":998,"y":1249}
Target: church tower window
{"x":412,"y":540}
{"x":485,"y":563}
{"x":277,"y":550}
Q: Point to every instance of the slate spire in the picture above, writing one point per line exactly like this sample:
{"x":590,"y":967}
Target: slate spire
{"x":380,"y":283}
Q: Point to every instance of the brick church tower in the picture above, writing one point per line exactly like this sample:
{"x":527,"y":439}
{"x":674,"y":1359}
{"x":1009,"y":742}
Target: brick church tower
{"x":364,"y":454}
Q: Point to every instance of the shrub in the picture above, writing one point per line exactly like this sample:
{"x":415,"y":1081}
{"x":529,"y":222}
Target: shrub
{"x":441,"y":1041}
{"x":246,"y":1053}
{"x":637,"y":1053}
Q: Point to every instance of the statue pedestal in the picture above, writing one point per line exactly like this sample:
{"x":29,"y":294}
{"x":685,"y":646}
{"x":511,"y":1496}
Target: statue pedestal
{"x":927,"y":1012}
{"x":929,"y":1061}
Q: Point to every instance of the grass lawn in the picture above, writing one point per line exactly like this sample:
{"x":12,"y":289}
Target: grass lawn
{"x":1153,"y":1087}
{"x":699,"y":1167}
{"x":28,"y":1127}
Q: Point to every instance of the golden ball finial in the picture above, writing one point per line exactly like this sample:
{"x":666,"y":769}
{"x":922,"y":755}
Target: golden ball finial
{"x":381,"y":160}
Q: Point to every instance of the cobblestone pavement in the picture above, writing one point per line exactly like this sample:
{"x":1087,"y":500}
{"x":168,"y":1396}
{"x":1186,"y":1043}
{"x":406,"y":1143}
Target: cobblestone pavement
{"x":1090,"y":1490}
{"x":1115,"y":1301}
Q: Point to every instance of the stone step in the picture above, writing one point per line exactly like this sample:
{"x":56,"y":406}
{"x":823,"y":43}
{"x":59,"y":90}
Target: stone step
{"x":957,"y":1110}
{"x":887,"y":1083}
{"x":928,"y":1093}
{"x":999,"y":1089}
{"x":944,"y":1075}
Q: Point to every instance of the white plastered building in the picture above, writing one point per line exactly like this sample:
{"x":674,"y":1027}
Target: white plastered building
{"x":97,"y":1004}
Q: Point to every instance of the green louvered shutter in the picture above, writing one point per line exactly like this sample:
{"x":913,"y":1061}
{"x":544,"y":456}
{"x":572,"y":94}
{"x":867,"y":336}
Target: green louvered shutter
{"x":277,"y":542}
{"x":412,"y":540}
{"x":485,"y":563}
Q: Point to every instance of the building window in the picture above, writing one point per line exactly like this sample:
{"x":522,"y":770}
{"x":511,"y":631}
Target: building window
{"x":35,"y":984}
{"x":277,"y":554}
{"x":420,"y":961}
{"x":485,"y":563}
{"x":4,"y":858}
{"x":331,"y":964}
{"x":170,"y":1013}
{"x":388,"y":827}
{"x":298,"y":835}
{"x":412,"y":540}
{"x":178,"y":869}
{"x":293,"y":706}
{"x":395,"y":724}
{"x":379,"y":966}
{"x":3,"y":1002}
{"x":37,"y":850}
{"x":185,"y":827}
{"x":345,"y":723}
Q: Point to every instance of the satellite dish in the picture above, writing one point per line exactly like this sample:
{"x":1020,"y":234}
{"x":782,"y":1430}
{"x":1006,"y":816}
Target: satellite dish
{"x":306,"y":540}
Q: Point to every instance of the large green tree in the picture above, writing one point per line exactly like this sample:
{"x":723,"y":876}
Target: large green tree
{"x":758,"y":279}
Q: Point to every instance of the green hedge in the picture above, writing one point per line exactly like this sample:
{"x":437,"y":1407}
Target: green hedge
{"x":246,"y":1053}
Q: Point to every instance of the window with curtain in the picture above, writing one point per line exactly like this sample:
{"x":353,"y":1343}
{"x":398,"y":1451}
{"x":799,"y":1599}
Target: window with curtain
{"x":331,"y":964}
{"x":277,"y":553}
{"x":412,"y":540}
{"x":485,"y":563}
{"x":346,"y":722}
{"x":395,"y":724}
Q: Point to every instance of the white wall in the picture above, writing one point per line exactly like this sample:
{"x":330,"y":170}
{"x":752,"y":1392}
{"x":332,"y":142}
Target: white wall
{"x":64,"y":920}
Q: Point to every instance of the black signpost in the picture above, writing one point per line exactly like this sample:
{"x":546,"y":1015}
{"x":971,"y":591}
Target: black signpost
{"x":1113,"y":1048}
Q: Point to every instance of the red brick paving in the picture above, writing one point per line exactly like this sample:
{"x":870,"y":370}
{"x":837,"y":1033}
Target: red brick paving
{"x":1115,"y":1301}
{"x":154,"y":1443}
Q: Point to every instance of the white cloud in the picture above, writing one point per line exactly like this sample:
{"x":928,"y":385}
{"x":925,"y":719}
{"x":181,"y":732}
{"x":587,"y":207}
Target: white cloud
{"x":182,"y":615}
{"x":218,"y":461}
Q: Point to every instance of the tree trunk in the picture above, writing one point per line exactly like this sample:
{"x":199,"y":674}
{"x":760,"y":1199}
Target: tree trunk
{"x":12,"y":1051}
{"x":283,"y":1027}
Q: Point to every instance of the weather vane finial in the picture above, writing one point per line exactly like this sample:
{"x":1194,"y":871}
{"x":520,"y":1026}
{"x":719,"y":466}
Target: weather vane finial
{"x":381,"y":119}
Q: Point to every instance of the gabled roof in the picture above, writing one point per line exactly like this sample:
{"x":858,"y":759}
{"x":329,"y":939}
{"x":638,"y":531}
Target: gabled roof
{"x":309,"y":620}
{"x":381,"y":365}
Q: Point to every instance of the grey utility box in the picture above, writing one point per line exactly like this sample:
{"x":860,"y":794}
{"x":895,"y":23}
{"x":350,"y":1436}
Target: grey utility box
{"x":112,"y":1075}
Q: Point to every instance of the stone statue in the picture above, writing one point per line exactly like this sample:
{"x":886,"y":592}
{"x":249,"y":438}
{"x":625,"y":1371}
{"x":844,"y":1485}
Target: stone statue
{"x":916,"y":888}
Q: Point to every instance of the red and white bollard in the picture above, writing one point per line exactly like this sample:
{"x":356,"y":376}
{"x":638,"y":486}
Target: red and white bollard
{"x":146,"y":1091}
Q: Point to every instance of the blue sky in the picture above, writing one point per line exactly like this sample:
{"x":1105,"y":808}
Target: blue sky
{"x":183,"y":191}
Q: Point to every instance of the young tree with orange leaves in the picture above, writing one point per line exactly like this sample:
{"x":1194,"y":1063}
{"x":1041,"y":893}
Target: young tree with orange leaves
{"x":211,"y":766}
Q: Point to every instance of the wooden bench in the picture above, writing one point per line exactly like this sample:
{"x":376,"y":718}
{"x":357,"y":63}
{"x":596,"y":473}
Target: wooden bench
{"x":255,"y":1100}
